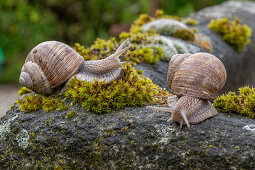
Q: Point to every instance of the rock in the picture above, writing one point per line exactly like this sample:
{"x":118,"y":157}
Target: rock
{"x":135,"y":137}
{"x":131,"y":138}
{"x":239,"y":65}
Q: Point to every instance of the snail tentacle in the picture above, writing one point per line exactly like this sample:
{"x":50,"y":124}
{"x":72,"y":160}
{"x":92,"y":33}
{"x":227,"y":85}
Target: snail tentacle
{"x":120,"y":50}
{"x":184,"y":116}
{"x":181,"y":122}
{"x":165,"y":109}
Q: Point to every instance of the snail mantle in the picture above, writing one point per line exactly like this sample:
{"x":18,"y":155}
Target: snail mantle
{"x":131,"y":138}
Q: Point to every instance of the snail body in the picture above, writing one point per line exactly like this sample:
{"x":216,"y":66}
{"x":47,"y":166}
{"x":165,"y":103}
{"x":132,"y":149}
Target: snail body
{"x":52,"y":63}
{"x":195,"y":79}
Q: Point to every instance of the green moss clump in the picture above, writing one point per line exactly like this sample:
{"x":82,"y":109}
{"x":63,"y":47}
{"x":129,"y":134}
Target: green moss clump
{"x":24,"y":90}
{"x":184,"y":34}
{"x":233,"y":32}
{"x":133,"y":90}
{"x":145,"y":18}
{"x":141,"y":51}
{"x":243,"y":104}
{"x":99,"y":50}
{"x":190,"y":21}
{"x":34,"y":102}
{"x":71,"y":114}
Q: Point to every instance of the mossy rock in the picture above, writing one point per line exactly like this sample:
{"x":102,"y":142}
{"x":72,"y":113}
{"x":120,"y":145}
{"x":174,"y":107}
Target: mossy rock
{"x":131,"y":138}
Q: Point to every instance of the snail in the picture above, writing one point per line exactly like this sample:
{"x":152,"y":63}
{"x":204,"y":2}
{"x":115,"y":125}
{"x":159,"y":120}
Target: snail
{"x":52,"y":63}
{"x":195,"y":79}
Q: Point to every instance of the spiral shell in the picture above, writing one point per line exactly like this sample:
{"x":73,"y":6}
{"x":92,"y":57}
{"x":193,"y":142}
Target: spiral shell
{"x":48,"y":65}
{"x":200,"y":75}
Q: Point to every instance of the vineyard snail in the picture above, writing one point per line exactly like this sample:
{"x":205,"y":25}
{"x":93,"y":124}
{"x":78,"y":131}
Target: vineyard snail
{"x":194,"y":79}
{"x":52,"y":63}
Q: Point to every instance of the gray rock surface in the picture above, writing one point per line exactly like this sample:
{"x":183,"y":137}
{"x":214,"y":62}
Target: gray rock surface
{"x":131,"y":138}
{"x":135,"y":137}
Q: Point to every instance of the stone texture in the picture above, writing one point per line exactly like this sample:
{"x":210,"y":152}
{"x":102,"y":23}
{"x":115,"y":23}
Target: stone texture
{"x":131,"y":138}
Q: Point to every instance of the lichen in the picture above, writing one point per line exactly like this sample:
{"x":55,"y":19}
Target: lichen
{"x":23,"y":139}
{"x":5,"y":128}
{"x":243,"y":104}
{"x":236,"y":34}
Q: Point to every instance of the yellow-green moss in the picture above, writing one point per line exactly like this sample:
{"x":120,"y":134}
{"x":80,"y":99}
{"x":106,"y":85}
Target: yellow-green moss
{"x":190,"y":21}
{"x":34,"y":102}
{"x":99,"y":50}
{"x":71,"y":114}
{"x":104,"y":48}
{"x":12,"y":106}
{"x":132,"y":90}
{"x":184,"y":34}
{"x":232,"y":31}
{"x":24,"y":90}
{"x":47,"y":122}
{"x":243,"y":104}
{"x":145,"y":18}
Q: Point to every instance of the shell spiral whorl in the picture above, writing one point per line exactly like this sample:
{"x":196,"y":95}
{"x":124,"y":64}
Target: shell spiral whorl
{"x":48,"y":65}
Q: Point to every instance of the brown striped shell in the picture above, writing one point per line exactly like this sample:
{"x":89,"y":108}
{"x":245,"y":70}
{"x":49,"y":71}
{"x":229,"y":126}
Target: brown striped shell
{"x":200,"y":75}
{"x":49,"y":65}
{"x":194,"y":78}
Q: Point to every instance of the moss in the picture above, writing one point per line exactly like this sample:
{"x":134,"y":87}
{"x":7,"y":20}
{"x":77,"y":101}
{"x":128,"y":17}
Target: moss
{"x":141,"y":51}
{"x":71,"y":114}
{"x":32,"y":135}
{"x":133,"y":90}
{"x":12,"y":106}
{"x":190,"y":21}
{"x":243,"y":104}
{"x":34,"y":102}
{"x":47,"y":122}
{"x":236,"y":34}
{"x":100,"y":49}
{"x":184,"y":34}
{"x":24,"y":90}
{"x":143,"y":19}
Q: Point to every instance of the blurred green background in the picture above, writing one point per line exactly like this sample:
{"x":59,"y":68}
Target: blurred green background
{"x":25,"y":23}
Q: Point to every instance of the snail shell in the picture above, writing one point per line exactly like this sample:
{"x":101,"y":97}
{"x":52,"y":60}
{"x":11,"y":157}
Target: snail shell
{"x":200,"y":75}
{"x":48,"y":65}
{"x":195,"y":79}
{"x":53,"y":63}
